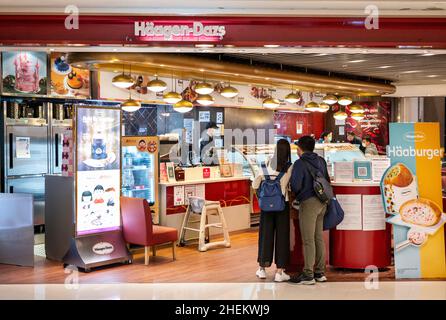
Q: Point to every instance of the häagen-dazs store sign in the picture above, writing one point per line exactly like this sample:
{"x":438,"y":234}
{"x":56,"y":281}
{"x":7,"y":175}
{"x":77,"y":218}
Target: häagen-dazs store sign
{"x":182,"y":32}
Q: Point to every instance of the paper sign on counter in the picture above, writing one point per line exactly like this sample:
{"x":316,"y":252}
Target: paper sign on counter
{"x":351,"y":204}
{"x":379,"y":166}
{"x":374,"y":216}
{"x":23,"y":147}
{"x":178,"y":195}
{"x":343,"y":171}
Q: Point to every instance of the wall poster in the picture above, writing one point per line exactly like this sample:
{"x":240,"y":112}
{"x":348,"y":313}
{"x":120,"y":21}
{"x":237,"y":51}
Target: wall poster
{"x":98,"y":169}
{"x":412,"y":194}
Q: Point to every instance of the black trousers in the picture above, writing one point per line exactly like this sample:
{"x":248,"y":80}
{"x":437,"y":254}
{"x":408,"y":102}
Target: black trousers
{"x":274,"y":238}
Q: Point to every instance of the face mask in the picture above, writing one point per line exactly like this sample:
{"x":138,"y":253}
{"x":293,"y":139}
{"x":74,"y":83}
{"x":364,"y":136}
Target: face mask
{"x":364,"y":145}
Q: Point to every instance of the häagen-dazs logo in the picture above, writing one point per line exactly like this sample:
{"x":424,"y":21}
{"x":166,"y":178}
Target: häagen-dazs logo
{"x":103,"y":248}
{"x":415,"y":136}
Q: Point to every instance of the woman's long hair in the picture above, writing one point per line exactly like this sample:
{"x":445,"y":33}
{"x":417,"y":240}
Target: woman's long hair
{"x":282,"y":155}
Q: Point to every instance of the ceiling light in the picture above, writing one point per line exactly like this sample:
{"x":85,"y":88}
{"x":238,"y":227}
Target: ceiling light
{"x":130,"y":105}
{"x":340,"y":115}
{"x":156,"y":85}
{"x":323,"y":107}
{"x":355,"y":108}
{"x":271,"y":45}
{"x":330,"y":99}
{"x":432,"y":76}
{"x":205,"y":99}
{"x":204,"y":88}
{"x":271,"y":103}
{"x":385,"y":67}
{"x":312,"y":106}
{"x":172,"y":97}
{"x":356,"y":61}
{"x":411,"y":71}
{"x":123,"y":81}
{"x":344,"y":101}
{"x":358,"y":116}
{"x":229,"y":92}
{"x":204,"y":45}
{"x":292,"y":97}
{"x":321,"y":54}
{"x":183,"y":106}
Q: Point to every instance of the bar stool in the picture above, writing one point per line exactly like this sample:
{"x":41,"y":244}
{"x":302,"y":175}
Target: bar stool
{"x":203,"y":208}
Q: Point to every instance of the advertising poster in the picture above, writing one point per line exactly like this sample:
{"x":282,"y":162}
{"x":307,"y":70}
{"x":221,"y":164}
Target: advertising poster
{"x":66,"y":80}
{"x":98,"y":169}
{"x":412,"y":194}
{"x":24,"y":72}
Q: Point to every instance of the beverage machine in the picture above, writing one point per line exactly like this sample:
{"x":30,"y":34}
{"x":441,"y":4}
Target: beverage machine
{"x":32,"y":146}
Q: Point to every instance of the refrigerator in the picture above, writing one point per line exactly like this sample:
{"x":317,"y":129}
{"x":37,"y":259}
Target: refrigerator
{"x":140,"y":170}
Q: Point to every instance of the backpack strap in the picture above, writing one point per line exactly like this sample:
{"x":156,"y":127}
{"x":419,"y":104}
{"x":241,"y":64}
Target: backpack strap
{"x":313,"y":172}
{"x":265,"y":171}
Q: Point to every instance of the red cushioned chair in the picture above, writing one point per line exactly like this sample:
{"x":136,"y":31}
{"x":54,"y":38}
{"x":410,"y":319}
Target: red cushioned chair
{"x":138,"y":229}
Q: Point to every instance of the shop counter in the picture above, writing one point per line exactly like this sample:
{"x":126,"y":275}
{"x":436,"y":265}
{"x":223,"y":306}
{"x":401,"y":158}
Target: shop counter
{"x":364,"y":238}
{"x":233,"y":193}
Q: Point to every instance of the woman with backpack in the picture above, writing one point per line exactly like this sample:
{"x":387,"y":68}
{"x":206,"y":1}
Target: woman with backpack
{"x":272,"y":184}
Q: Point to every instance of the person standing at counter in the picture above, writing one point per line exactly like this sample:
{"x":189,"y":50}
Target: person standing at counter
{"x":274,"y":229}
{"x":207,"y":145}
{"x":369,"y":147}
{"x":311,"y":212}
{"x":326,"y":137}
{"x":353,"y":139}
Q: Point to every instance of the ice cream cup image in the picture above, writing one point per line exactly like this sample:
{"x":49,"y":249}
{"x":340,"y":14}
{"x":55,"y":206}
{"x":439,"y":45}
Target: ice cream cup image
{"x":415,"y":237}
{"x":400,"y":186}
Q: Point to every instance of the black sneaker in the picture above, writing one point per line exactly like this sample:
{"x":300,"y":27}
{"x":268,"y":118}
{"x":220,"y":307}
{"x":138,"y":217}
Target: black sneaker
{"x":320,"y":277}
{"x":302,"y":279}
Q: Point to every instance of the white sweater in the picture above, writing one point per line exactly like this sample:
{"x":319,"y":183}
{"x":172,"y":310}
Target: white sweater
{"x":284,"y":182}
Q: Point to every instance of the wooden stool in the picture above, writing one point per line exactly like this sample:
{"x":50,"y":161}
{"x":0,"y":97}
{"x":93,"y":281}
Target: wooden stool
{"x":204,"y":208}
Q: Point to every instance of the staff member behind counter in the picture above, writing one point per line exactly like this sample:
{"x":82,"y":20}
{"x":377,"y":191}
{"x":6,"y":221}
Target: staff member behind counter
{"x":207,"y":145}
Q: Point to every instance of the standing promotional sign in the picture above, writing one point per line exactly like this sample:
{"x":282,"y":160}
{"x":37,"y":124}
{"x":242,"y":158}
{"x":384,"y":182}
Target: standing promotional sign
{"x":412,"y":195}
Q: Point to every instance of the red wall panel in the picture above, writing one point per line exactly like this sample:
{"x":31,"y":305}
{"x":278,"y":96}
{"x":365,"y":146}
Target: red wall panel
{"x":311,"y":123}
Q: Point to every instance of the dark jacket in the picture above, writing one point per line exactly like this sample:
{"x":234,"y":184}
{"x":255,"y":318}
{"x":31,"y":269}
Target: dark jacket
{"x":301,"y":180}
{"x":358,"y":141}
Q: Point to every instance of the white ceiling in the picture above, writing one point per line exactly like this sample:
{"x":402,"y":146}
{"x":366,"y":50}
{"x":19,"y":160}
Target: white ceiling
{"x":230,"y":7}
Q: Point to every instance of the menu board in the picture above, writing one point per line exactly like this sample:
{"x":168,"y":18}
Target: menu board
{"x":98,"y":169}
{"x":379,"y":166}
{"x":351,"y":204}
{"x":66,"y":80}
{"x":24,"y":72}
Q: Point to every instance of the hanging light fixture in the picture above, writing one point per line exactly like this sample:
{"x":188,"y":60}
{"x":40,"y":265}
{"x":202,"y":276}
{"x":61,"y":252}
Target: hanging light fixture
{"x":356,"y":108}
{"x":345,"y":101}
{"x":229,"y":92}
{"x":358,"y":116}
{"x":205,"y":99}
{"x":292,"y":97}
{"x":172,"y":97}
{"x":340,"y":115}
{"x":330,"y":99}
{"x":312,"y":106}
{"x":271,"y":103}
{"x":130,"y":105}
{"x":204,"y":88}
{"x":323,"y":107}
{"x":122,"y":80}
{"x":156,"y":85}
{"x":183,"y":106}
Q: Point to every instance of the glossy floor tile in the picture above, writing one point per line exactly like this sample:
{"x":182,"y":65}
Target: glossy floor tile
{"x":222,"y":291}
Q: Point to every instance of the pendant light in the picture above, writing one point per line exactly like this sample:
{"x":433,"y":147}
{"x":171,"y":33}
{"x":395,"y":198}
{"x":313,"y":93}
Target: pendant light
{"x":340,"y":115}
{"x":122,"y":80}
{"x":356,"y":108}
{"x":270,"y":102}
{"x":172,"y":97}
{"x":205,"y":99}
{"x":183,"y":106}
{"x":156,"y":85}
{"x":204,"y":88}
{"x":323,"y":107}
{"x":330,"y":99}
{"x":345,"y":101}
{"x":358,"y":116}
{"x":130,"y":105}
{"x":312,"y":106}
{"x":292,"y":97}
{"x":228,"y":91}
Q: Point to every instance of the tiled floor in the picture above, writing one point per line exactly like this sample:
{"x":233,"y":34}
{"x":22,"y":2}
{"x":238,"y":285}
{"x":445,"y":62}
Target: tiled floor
{"x":238,"y":291}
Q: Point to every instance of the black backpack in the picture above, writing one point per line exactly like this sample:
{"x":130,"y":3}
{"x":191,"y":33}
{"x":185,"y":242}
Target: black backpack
{"x":322,"y":187}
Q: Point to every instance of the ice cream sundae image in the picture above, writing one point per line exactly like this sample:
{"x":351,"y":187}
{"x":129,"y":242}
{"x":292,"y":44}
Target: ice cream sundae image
{"x":415,"y":238}
{"x":61,"y":66}
{"x":26,"y":74}
{"x":99,"y":156}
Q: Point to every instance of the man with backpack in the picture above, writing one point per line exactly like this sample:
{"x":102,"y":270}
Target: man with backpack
{"x":311,"y":184}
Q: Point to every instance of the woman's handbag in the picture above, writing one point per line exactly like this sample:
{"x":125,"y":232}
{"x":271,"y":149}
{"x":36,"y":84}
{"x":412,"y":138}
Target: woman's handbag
{"x":334,"y":214}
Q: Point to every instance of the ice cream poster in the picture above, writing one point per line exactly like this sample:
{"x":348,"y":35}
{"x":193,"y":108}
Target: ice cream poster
{"x":24,"y":72}
{"x":67,"y":80}
{"x":411,"y":190}
{"x":98,"y":138}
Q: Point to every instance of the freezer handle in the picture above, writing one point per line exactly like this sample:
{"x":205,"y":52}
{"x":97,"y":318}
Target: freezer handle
{"x":11,"y":151}
{"x":11,"y":189}
{"x":56,"y":149}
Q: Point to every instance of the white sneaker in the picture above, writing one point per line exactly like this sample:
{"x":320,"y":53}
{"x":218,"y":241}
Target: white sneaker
{"x":281,"y":277}
{"x":261,"y":274}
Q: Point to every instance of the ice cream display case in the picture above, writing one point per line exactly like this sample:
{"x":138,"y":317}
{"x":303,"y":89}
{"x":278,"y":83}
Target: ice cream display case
{"x":140,"y":170}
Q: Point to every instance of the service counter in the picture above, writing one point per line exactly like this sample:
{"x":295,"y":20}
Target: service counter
{"x":233,"y":193}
